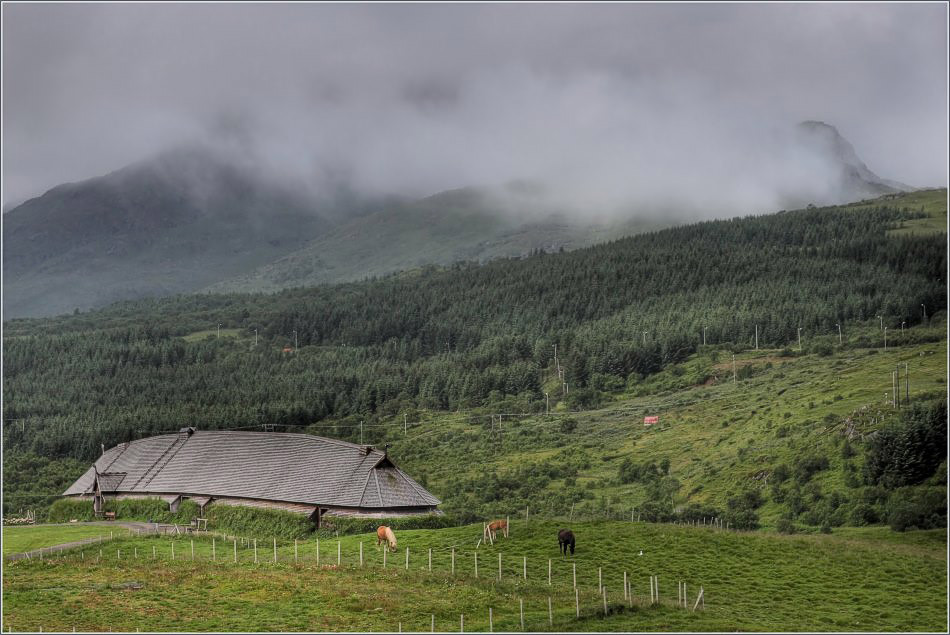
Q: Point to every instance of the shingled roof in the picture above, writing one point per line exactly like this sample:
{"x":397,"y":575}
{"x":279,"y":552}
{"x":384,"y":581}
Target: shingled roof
{"x":285,"y":467}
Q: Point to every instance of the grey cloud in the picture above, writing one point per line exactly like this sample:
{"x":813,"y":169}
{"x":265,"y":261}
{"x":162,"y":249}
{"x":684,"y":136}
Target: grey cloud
{"x":615,"y":107}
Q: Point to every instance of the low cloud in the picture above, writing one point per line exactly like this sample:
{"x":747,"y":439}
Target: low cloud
{"x":612,"y":109}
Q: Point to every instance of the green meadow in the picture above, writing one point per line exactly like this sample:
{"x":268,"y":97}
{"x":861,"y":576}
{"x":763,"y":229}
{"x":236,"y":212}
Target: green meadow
{"x":868,"y":580}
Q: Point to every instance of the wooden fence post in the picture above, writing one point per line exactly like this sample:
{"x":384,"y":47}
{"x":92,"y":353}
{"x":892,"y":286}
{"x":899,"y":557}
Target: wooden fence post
{"x":339,"y":556}
{"x":275,"y":550}
{"x":192,"y":549}
{"x":173,"y":549}
{"x":549,"y":572}
{"x":656,"y":583}
{"x":453,"y":560}
{"x":525,"y":567}
{"x":407,"y":558}
{"x":461,"y":622}
{"x":521,"y":603}
{"x":499,"y":565}
{"x":476,"y":564}
{"x":433,"y":622}
{"x":153,"y":552}
{"x":550,"y":613}
{"x":430,"y":560}
{"x":295,"y":551}
{"x":577,"y":602}
{"x":385,"y":549}
{"x":491,"y":622}
{"x":600,"y":580}
{"x":214,"y":555}
{"x":361,"y":554}
{"x":699,"y":598}
{"x":625,"y":585}
{"x":318,"y":552}
{"x":605,"y":601}
{"x":235,"y":550}
{"x":255,"y":551}
{"x":574,"y":569}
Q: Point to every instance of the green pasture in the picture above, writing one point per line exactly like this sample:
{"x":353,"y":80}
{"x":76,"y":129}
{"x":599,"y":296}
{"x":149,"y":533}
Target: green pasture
{"x":18,"y":539}
{"x":751,"y":581}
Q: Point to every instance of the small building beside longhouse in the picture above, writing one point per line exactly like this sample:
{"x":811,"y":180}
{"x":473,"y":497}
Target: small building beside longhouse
{"x":300,"y":473}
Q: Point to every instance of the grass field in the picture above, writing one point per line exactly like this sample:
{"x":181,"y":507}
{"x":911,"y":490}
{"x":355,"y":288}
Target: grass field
{"x":26,"y":538}
{"x":860,"y":581}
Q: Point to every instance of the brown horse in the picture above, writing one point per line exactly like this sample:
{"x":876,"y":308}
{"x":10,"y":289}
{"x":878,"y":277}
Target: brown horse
{"x":385,"y":534}
{"x":494,"y":526}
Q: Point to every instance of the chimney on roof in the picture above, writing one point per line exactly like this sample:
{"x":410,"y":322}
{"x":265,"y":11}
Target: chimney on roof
{"x":366,"y":449}
{"x":386,"y":450}
{"x":103,"y":446}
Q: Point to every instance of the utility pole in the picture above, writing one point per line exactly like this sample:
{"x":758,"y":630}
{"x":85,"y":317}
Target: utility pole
{"x":645,"y":337}
{"x":734,"y":380}
{"x":405,"y":424}
{"x":556,"y":364}
{"x":839,"y":334}
{"x":925,"y":312}
{"x":885,"y":338}
{"x":547,"y":404}
{"x":295,"y":341}
{"x":567,"y":389}
{"x":255,"y":337}
{"x":881,"y":318}
{"x":799,"y":339}
{"x":361,"y":432}
{"x":704,"y":335}
{"x":219,"y":332}
{"x":756,"y":337}
{"x":902,"y":328}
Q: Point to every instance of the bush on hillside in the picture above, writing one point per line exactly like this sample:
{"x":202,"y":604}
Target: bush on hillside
{"x":909,"y":451}
{"x":807,"y":466}
{"x":917,"y":508}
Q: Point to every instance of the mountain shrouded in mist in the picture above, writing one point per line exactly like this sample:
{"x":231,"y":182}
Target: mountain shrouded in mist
{"x":191,"y":219}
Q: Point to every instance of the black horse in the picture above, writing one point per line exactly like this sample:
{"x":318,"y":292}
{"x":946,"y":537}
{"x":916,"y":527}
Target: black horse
{"x":565,"y":539}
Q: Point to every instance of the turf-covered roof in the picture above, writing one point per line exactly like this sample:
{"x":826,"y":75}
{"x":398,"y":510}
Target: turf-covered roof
{"x":296,"y":468}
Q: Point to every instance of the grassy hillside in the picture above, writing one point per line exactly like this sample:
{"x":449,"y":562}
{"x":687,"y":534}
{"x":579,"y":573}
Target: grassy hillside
{"x":750,"y":583}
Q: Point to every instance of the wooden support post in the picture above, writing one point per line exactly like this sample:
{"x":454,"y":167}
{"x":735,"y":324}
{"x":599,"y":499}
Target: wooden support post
{"x":491,"y":622}
{"x":476,"y":564}
{"x":135,"y":552}
{"x":651,"y":590}
{"x":295,"y":551}
{"x":275,"y":550}
{"x":525,"y":565}
{"x":600,"y":580}
{"x":461,"y":622}
{"x":577,"y":603}
{"x":699,"y":599}
{"x":339,"y":554}
{"x":574,"y":569}
{"x":685,"y":595}
{"x":235,"y":550}
{"x":550,"y":613}
{"x":549,"y":572}
{"x":433,"y":622}
{"x":361,"y":554}
{"x":521,"y":604}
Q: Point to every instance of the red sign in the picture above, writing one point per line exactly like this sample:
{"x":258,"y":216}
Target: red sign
{"x":650,"y":420}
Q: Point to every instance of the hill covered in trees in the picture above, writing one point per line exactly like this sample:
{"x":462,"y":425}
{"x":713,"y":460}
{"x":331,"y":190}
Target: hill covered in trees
{"x":472,"y":336}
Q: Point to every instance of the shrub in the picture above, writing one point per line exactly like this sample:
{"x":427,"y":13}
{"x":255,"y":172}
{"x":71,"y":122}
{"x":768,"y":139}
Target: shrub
{"x":863,"y":514}
{"x":917,"y":508}
{"x":807,"y":466}
{"x":66,"y":509}
{"x":908,"y":452}
{"x":785,"y":525}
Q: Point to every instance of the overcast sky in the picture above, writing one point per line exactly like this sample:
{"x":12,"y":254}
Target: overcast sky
{"x":612,"y":102}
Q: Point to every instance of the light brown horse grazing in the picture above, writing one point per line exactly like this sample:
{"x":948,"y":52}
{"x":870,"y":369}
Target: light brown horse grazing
{"x":494,"y":526}
{"x":385,"y":534}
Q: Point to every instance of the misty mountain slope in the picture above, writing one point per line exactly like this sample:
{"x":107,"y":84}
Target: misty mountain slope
{"x":855,"y":180}
{"x":172,"y":224}
{"x":457,"y":225}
